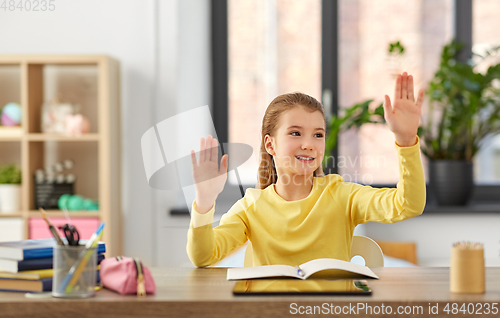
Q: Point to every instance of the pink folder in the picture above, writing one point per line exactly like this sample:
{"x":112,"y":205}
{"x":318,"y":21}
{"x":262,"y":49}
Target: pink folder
{"x":38,"y":227}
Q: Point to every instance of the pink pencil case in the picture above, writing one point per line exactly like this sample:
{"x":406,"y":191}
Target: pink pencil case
{"x":126,"y":276}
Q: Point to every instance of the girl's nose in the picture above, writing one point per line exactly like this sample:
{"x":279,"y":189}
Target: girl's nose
{"x":307,"y":145}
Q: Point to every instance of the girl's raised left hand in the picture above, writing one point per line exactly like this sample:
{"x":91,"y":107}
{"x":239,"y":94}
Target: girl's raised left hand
{"x":403,"y":116}
{"x":209,"y":180}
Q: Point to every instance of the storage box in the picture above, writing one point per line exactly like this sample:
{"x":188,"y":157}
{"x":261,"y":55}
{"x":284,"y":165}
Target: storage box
{"x":11,"y":229}
{"x":86,"y":227}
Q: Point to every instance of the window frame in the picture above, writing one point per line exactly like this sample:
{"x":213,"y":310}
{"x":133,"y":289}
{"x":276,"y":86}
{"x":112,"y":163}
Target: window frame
{"x":329,"y":78}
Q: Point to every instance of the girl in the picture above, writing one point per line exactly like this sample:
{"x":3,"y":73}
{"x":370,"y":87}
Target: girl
{"x":298,"y":214}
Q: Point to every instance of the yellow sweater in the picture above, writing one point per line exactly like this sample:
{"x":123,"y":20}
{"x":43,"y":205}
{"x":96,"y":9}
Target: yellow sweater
{"x":318,"y":226}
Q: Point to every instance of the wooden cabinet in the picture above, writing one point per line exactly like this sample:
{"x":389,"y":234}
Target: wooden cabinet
{"x":92,"y":81}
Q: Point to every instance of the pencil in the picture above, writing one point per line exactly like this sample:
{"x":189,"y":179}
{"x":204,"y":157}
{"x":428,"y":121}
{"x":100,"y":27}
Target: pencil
{"x":51,"y":227}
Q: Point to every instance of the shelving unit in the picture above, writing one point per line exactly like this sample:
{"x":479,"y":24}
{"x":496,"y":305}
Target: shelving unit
{"x":93,"y":82}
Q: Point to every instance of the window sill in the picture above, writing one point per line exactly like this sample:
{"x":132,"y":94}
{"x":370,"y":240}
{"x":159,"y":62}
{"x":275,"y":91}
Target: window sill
{"x":472,"y":207}
{"x":481,"y":201}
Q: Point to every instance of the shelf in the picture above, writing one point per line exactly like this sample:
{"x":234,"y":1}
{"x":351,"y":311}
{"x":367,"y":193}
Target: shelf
{"x":92,"y":59}
{"x":9,"y":139}
{"x":58,"y":137}
{"x":11,"y":215}
{"x":16,"y":134}
{"x":8,"y":61}
{"x":41,"y":83}
{"x":72,"y":214}
{"x":11,"y":133}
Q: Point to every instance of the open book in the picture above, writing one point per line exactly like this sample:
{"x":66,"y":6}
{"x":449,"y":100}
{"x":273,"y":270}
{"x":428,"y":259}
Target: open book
{"x":318,"y":268}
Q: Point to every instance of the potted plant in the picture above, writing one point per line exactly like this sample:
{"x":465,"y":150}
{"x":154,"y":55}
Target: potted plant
{"x":10,"y":188}
{"x":464,"y":109}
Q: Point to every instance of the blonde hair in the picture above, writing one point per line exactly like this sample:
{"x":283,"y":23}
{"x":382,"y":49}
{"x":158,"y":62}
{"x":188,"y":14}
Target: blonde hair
{"x":267,"y":174}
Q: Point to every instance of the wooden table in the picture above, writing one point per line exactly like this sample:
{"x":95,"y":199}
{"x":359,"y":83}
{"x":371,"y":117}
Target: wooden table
{"x":189,"y":292}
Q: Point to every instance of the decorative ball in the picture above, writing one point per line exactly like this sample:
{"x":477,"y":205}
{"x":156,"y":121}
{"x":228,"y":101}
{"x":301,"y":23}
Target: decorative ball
{"x":75,"y":203}
{"x":90,"y":205}
{"x":11,"y":115}
{"x":63,"y":201}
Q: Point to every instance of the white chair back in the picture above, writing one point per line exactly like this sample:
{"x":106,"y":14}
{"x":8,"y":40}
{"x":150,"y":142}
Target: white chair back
{"x":368,"y":249}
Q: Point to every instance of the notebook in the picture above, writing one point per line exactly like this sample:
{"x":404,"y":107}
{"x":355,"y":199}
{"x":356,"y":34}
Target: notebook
{"x":13,"y":266}
{"x":30,"y":285}
{"x":33,"y":249}
{"x":33,"y":275}
{"x":25,"y":285}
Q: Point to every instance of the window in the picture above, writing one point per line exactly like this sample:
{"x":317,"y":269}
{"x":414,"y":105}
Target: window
{"x":485,"y":35}
{"x":274,"y":48}
{"x":366,"y":72}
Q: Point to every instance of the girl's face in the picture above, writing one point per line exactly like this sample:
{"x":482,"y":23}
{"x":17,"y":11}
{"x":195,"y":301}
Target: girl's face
{"x":298,"y":146}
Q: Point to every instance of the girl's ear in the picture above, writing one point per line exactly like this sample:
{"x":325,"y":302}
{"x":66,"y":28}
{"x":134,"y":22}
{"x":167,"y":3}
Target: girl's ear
{"x":269,"y":144}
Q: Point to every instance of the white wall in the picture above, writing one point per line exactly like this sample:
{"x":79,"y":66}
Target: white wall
{"x":436,"y":233}
{"x":191,"y":86}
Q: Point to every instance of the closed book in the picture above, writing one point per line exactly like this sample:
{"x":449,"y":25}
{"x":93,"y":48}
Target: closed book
{"x":13,"y":266}
{"x":34,"y":249}
{"x":26,"y":285}
{"x":34,"y":274}
{"x":30,"y":285}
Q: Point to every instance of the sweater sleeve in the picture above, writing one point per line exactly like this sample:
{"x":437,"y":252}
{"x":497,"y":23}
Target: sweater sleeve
{"x":206,"y":245}
{"x":387,"y":205}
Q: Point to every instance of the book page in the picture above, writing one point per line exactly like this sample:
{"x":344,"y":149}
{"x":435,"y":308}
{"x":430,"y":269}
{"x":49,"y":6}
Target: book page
{"x":335,"y":268}
{"x":261,"y":272}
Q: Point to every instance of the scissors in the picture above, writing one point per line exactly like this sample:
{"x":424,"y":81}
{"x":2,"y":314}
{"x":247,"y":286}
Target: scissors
{"x":71,"y":234}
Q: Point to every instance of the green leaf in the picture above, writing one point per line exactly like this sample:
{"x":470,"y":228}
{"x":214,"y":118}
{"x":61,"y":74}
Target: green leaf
{"x":10,"y":174}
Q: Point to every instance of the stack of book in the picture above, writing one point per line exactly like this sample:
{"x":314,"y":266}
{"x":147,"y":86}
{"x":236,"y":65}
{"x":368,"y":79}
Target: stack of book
{"x":26,"y":266}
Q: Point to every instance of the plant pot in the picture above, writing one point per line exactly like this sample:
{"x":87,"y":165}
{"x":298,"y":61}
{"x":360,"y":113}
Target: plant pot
{"x":10,"y":198}
{"x":451,"y":181}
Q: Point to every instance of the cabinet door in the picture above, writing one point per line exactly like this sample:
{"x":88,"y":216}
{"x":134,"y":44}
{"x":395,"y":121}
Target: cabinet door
{"x":11,"y":229}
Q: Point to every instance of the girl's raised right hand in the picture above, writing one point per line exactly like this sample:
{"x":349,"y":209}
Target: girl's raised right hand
{"x":209,"y":181}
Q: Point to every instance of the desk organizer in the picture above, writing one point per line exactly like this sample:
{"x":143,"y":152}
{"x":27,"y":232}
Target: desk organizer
{"x":74,"y":271}
{"x":467,"y":273}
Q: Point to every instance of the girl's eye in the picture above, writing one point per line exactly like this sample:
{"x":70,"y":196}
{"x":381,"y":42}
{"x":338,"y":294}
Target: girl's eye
{"x":320,"y":135}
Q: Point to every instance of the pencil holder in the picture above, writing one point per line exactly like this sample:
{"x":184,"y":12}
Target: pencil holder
{"x":467,"y":270}
{"x":74,"y":271}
